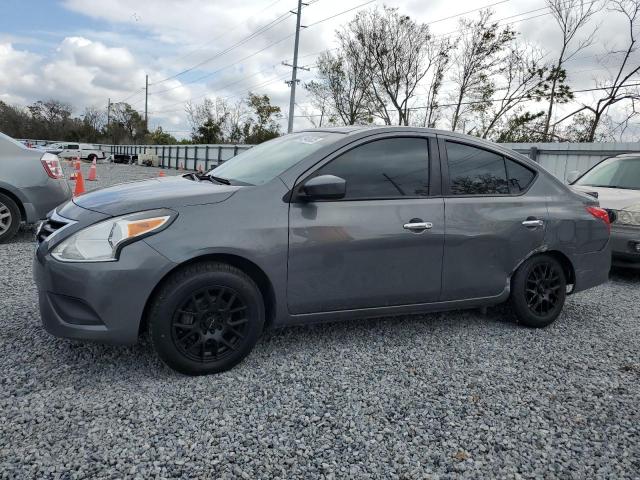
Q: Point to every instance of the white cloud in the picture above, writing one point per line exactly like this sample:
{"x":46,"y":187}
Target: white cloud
{"x":163,"y":37}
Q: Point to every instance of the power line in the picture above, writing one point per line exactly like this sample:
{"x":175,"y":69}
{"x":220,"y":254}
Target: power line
{"x":494,"y":100}
{"x":226,"y":50}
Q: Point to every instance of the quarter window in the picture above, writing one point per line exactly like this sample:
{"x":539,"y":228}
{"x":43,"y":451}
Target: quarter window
{"x":519,"y":176}
{"x":387,"y":168}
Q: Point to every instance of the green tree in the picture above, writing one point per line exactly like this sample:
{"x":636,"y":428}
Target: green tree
{"x":160,"y":137}
{"x":263,"y":124}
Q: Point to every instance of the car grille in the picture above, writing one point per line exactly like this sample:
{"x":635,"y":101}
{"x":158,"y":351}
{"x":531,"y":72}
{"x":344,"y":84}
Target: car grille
{"x":50,"y":226}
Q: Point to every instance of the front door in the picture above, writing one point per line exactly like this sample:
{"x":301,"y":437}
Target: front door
{"x":382,"y":244}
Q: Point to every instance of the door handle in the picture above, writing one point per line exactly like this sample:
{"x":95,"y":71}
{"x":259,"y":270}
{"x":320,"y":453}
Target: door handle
{"x":418,"y":226}
{"x":533,"y":223}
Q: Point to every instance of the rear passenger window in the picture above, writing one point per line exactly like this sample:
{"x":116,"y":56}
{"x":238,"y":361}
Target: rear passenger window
{"x":474,"y":171}
{"x":386,"y":168}
{"x":519,"y":176}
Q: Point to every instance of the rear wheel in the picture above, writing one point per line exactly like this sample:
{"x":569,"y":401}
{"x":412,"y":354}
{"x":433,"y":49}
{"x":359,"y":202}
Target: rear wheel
{"x":92,"y":157}
{"x":538,"y":291}
{"x":206,"y":318}
{"x":9,"y":218}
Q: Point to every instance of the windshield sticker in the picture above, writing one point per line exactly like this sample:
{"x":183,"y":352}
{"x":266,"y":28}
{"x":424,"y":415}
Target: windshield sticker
{"x":309,"y":139}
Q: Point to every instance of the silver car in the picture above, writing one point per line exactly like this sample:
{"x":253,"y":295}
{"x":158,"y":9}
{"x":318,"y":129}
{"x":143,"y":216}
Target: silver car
{"x":31,"y":184}
{"x":319,"y":225}
{"x":615,"y":182}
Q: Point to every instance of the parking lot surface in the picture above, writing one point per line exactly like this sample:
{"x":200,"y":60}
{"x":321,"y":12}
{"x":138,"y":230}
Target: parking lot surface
{"x":447,"y":395}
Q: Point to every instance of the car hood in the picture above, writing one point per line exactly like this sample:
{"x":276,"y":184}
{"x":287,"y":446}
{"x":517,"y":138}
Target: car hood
{"x":613,"y":198}
{"x":169,"y":192}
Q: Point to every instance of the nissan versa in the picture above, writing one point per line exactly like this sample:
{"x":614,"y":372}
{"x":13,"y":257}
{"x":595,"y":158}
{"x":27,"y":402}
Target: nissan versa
{"x":319,"y":225}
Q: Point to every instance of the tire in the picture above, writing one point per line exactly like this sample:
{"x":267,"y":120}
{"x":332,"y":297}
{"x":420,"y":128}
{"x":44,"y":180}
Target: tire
{"x":92,"y":157}
{"x":9,"y":218}
{"x":206,"y":318}
{"x":538,"y":291}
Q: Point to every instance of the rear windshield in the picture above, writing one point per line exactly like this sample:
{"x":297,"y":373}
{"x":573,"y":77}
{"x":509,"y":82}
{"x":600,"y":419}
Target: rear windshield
{"x":613,"y":173}
{"x":10,"y":142}
{"x":266,"y":161}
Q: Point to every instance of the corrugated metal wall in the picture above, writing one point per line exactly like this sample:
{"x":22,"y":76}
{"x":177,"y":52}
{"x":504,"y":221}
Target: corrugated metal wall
{"x":562,"y":158}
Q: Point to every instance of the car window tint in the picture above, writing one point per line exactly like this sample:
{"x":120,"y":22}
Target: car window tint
{"x":474,"y":171}
{"x":387,"y":168}
{"x":72,"y":147}
{"x":519,"y":176}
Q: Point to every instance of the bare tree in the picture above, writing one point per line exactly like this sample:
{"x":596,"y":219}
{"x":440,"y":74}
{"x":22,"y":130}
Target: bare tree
{"x":392,"y":50}
{"x":571,"y":16}
{"x":619,"y":86}
{"x":343,"y":83}
{"x":525,"y":79}
{"x":476,"y":60}
{"x":441,"y":54}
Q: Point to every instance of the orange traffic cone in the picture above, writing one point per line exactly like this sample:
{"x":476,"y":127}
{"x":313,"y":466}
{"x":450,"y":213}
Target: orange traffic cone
{"x":92,"y":172}
{"x":79,"y":185}
{"x":161,"y":173}
{"x":181,"y":167}
{"x":76,"y":169}
{"x":200,"y":169}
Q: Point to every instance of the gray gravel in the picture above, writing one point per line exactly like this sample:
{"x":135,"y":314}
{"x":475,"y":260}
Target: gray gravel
{"x":433,"y":396}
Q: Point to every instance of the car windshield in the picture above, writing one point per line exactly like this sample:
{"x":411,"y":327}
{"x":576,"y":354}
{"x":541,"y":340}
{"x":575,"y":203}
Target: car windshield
{"x":264,"y":162}
{"x":613,"y":173}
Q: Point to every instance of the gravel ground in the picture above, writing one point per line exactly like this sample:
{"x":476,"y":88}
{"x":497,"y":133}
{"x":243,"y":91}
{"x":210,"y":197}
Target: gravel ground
{"x":448,"y":395}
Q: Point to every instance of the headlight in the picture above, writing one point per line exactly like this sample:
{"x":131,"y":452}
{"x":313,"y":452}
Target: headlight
{"x":629,"y":216}
{"x":102,"y":242}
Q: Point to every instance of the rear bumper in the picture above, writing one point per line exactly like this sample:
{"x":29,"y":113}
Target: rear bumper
{"x":623,"y":246}
{"x":592,"y":269}
{"x":42,"y":199}
{"x":102,"y":301}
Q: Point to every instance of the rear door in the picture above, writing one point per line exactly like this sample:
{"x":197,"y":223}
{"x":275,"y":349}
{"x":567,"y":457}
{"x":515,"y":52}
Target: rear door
{"x":362,"y":251}
{"x":495,"y":218}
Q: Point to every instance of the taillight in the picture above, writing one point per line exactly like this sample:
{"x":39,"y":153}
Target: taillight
{"x":602,"y":214}
{"x":52,"y":165}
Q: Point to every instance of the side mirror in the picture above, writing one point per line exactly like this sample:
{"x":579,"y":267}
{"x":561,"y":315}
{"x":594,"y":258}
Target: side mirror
{"x":573,"y":176}
{"x":324,"y":187}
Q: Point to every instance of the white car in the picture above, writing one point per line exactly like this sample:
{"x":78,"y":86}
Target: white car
{"x":616,"y":183}
{"x":85,"y":151}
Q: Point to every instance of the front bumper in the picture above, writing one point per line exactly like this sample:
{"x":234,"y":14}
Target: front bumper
{"x":623,"y":240}
{"x":102,"y":301}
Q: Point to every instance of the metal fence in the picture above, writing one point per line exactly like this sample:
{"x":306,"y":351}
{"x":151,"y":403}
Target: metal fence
{"x":562,"y":158}
{"x":558,"y":158}
{"x":189,"y":157}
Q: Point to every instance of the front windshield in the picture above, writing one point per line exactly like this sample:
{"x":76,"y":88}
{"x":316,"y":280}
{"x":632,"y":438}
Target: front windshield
{"x":264,"y":162}
{"x":613,"y":173}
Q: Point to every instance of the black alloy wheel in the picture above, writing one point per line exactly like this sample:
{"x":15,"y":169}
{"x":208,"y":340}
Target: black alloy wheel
{"x":538,"y":290}
{"x":205,"y":318}
{"x":210,"y":324}
{"x":543,"y":287}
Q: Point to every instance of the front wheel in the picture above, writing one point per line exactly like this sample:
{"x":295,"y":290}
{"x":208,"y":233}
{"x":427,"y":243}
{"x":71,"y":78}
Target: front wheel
{"x":206,"y":318}
{"x":538,"y":291}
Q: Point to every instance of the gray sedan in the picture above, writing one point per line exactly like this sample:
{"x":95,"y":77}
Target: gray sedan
{"x":31,"y":184}
{"x":318,"y":225}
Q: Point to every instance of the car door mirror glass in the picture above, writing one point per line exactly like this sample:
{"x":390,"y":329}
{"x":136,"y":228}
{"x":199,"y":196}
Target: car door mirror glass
{"x":573,"y":176}
{"x":324,"y":187}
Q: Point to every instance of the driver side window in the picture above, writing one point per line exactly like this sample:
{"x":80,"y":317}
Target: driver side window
{"x":385,"y":168}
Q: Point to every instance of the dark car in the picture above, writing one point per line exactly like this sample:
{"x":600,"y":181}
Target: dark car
{"x":31,"y":184}
{"x":313,"y":226}
{"x":615,"y":181}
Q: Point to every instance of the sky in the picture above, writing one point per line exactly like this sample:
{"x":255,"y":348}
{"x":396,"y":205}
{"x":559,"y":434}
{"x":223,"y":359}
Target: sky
{"x":85,"y":52}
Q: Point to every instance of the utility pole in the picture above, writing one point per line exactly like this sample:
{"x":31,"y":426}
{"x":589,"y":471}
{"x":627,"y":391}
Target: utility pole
{"x":146,"y":100}
{"x":294,"y":73}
